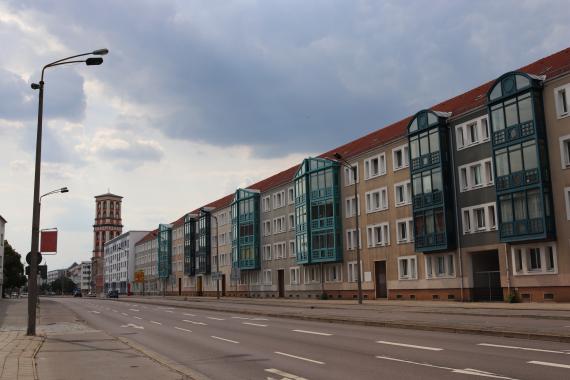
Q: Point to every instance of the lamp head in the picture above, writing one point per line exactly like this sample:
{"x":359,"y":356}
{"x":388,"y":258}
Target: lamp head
{"x":35,"y":86}
{"x":93,"y":61}
{"x":100,"y":52}
{"x":64,"y":190}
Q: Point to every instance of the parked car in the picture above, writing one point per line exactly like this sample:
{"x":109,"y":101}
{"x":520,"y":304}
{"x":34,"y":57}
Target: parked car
{"x":77,"y":293}
{"x":113,"y":294}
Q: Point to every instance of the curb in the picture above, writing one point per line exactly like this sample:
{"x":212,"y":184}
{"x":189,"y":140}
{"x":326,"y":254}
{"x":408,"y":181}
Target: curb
{"x":187,"y":373}
{"x":388,"y":324}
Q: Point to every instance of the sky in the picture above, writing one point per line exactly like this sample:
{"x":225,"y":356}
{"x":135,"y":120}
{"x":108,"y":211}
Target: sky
{"x":198,"y":98}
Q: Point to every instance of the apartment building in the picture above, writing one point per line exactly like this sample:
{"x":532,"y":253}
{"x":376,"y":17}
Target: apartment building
{"x":85,"y":277}
{"x":146,"y":262}
{"x":119,"y":261}
{"x":55,"y":274}
{"x":466,"y":200}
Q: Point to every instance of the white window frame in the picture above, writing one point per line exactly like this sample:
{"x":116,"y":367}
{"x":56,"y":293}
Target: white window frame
{"x":349,"y":176}
{"x":267,"y":277}
{"x":560,"y":114}
{"x":279,"y":225}
{"x":431,"y":264}
{"x":381,"y":166}
{"x":349,"y":206}
{"x":383,"y":200}
{"x":291,"y":221}
{"x":280,"y":250}
{"x":267,"y":252}
{"x":329,"y":272}
{"x":372,"y":238}
{"x":351,"y":239}
{"x":469,"y":218}
{"x":565,"y":151}
{"x":407,"y":192}
{"x":351,"y":271}
{"x":292,"y":252}
{"x":291,"y":199}
{"x":412,"y":267}
{"x":296,"y":271}
{"x":467,"y":181}
{"x":276,"y":196}
{"x":405,"y":157}
{"x":310,"y":270}
{"x":409,"y":223}
{"x":481,"y":125}
{"x":521,"y":268}
{"x":266,"y":231}
{"x":266,"y":202}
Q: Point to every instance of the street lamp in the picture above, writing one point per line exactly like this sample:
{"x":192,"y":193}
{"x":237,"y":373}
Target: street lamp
{"x":208,"y":210}
{"x":32,"y":279}
{"x":345,"y":163}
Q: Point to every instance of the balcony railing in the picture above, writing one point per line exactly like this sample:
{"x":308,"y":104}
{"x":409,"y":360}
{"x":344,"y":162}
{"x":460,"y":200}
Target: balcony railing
{"x":434,"y":198}
{"x":426,"y":160}
{"x":520,"y":228}
{"x":513,"y":133}
{"x":518,"y":179}
{"x":323,"y":223}
{"x":325,"y":255}
{"x":327,"y":192}
{"x":431,"y":240}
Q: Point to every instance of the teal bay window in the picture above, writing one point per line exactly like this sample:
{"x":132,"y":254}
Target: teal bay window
{"x":317,"y":212}
{"x":203,"y":244}
{"x":245,"y":229}
{"x":520,"y":155}
{"x":190,"y":244}
{"x":432,"y":198}
{"x":164,"y":250}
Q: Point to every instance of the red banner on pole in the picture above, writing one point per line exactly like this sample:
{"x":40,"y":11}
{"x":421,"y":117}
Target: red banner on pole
{"x":48,"y":241}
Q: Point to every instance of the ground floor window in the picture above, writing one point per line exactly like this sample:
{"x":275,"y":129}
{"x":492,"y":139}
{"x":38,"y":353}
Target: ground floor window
{"x":352,"y":271}
{"x":534,"y":259}
{"x":334,"y":273}
{"x":407,"y":268}
{"x":438,"y":266}
{"x":312,"y":274}
{"x":294,"y":276}
{"x":267,"y":280}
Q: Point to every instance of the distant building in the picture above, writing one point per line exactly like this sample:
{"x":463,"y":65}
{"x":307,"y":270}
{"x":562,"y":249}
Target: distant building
{"x":53,"y":275}
{"x":2,"y":237}
{"x":74,"y":273}
{"x":85,"y":281}
{"x":146,"y":261}
{"x":119,"y":261}
{"x":108,"y":225}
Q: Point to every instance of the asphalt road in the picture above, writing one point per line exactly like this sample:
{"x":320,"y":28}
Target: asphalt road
{"x":227,"y":345}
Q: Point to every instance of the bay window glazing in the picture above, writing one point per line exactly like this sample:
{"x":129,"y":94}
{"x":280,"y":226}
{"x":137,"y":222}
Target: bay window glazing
{"x":245,"y":229}
{"x":190,"y":244}
{"x":164,"y":250}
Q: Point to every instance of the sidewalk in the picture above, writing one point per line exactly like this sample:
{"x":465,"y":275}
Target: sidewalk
{"x":67,"y":349}
{"x":529,"y":321}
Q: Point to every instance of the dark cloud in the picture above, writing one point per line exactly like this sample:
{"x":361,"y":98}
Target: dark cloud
{"x":295,"y":76}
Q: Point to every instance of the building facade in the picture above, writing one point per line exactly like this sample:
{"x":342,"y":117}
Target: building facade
{"x":2,"y":239}
{"x":466,"y":200}
{"x":85,"y":278}
{"x":119,"y":261}
{"x":56,"y":274}
{"x":74,"y":274}
{"x":108,"y":225}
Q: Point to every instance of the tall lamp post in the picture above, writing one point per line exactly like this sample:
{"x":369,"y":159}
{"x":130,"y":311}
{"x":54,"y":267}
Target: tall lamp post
{"x":208,"y":210}
{"x":353,"y":169}
{"x":32,"y":279}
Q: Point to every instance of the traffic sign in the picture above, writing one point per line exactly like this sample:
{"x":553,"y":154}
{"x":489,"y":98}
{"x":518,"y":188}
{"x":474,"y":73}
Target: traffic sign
{"x":29,"y":258}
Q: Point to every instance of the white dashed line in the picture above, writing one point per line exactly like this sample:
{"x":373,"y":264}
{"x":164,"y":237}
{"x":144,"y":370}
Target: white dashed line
{"x":195,"y":323}
{"x":299,"y":357}
{"x":216,"y":319}
{"x":115,"y":311}
{"x":224,"y":339}
{"x":558,"y":365}
{"x":180,"y":328}
{"x":95,"y":312}
{"x":125,"y":314}
{"x":190,"y":315}
{"x":254,"y":324}
{"x":410,"y":345}
{"x":134,"y":310}
{"x":523,"y":348}
{"x":155,"y":322}
{"x":240,"y":318}
{"x":312,"y":332}
{"x":168,"y":311}
{"x":284,"y":375}
{"x":137,"y":317}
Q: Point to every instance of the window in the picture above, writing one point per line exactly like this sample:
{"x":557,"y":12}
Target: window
{"x":440,"y":266}
{"x":377,"y":200}
{"x":291,"y":195}
{"x":479,"y":218}
{"x":472,"y":132}
{"x":265,"y":203}
{"x":351,"y":239}
{"x":378,"y":235}
{"x":351,"y":207}
{"x":400,"y":157}
{"x":266,"y":249}
{"x":267,"y":280}
{"x":404,"y":230}
{"x":279,"y":225}
{"x":349,"y":175}
{"x":375,"y":166}
{"x":266,"y":228}
{"x":402,"y":193}
{"x":352,"y":271}
{"x":567,"y":199}
{"x":292,"y":252}
{"x":279,"y":199}
{"x":333,"y":272}
{"x":534,"y":259}
{"x":565,"y":151}
{"x":407,"y":268}
{"x":280,"y":250}
{"x":291,"y":221}
{"x":294,"y":276}
{"x":561,"y":100}
{"x":312,"y":274}
{"x":476,"y":174}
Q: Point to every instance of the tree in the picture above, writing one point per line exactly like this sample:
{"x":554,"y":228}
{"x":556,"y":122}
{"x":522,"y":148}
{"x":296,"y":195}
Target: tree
{"x":68,"y":285}
{"x":13,"y":268}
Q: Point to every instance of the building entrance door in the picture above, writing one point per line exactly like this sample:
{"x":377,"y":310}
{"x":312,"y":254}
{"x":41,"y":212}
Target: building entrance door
{"x":223,"y":285}
{"x":179,"y":286}
{"x":281,"y":282}
{"x":380,"y":280}
{"x":199,"y":286}
{"x":486,"y":276}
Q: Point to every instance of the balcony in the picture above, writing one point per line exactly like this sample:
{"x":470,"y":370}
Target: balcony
{"x":518,"y":179}
{"x":425,"y":160}
{"x":433,"y":241}
{"x":322,"y":193}
{"x":323,"y":223}
{"x":435,"y":198}
{"x":325,"y":255}
{"x":521,"y":229}
{"x":513,"y":133}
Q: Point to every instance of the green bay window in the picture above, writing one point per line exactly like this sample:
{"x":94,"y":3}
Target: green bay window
{"x":245,"y":229}
{"x":190,"y":244}
{"x":520,"y":156}
{"x":164,"y":240}
{"x":203,"y":243}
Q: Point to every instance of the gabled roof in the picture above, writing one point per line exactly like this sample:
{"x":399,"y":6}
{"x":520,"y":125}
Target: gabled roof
{"x":148,"y":237}
{"x":551,"y":66}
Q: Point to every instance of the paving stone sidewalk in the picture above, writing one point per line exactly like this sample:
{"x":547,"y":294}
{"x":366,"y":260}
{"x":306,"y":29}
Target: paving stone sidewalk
{"x":17,"y":353}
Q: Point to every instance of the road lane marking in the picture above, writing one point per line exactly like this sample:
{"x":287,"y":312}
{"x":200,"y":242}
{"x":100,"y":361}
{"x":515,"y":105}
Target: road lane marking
{"x":260,"y":319}
{"x":195,"y":323}
{"x":523,"y":348}
{"x":95,"y":312}
{"x":465,"y":371}
{"x":240,"y":318}
{"x":180,"y":328}
{"x":125,"y":314}
{"x":224,"y":339}
{"x":137,"y":317}
{"x":254,"y":324}
{"x":190,"y":315}
{"x":134,"y":310}
{"x":312,"y":332}
{"x":409,"y":345}
{"x":133,"y":325}
{"x":299,"y":357}
{"x":115,"y":311}
{"x":168,"y":311}
{"x":216,"y":319}
{"x":284,"y":375}
{"x":156,"y":323}
{"x":558,"y":365}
